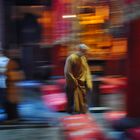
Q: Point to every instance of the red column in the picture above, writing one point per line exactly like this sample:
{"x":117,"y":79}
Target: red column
{"x":129,"y":1}
{"x":61,"y":29}
{"x":133,"y":94}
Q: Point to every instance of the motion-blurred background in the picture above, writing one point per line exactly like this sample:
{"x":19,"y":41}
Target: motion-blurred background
{"x":40,"y":34}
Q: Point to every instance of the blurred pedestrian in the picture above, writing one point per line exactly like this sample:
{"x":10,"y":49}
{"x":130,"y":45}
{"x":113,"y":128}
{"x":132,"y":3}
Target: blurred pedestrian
{"x":78,"y":80}
{"x":13,"y":74}
{"x":3,"y":64}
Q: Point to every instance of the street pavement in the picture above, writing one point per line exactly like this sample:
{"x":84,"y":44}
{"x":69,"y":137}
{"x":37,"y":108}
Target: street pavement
{"x":38,"y":122}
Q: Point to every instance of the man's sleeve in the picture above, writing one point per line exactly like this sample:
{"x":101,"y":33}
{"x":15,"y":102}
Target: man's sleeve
{"x":89,"y":78}
{"x":68,"y":72}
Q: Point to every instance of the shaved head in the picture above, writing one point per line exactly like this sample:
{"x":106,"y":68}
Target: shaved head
{"x":82,"y":47}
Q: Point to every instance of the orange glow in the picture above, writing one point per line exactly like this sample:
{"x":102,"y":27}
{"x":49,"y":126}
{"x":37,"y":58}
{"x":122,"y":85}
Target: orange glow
{"x":92,"y":21}
{"x":119,"y":45}
{"x":103,"y":11}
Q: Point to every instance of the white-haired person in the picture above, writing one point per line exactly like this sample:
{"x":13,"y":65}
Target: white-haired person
{"x":78,"y":80}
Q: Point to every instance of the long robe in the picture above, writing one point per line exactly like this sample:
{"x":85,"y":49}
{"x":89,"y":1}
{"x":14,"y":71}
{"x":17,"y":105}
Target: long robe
{"x":78,"y":82}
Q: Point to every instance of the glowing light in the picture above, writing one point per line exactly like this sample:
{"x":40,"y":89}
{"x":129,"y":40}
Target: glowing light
{"x":69,"y":16}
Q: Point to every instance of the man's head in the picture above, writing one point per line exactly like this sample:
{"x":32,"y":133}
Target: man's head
{"x":82,"y":49}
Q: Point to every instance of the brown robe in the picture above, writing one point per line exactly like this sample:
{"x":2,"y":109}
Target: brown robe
{"x":78,"y":82}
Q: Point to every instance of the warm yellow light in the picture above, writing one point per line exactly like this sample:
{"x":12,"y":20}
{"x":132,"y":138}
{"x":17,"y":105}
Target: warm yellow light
{"x":92,"y":21}
{"x":82,"y":17}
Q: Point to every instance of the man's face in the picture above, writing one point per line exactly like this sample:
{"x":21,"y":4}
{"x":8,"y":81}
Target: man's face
{"x":84,"y":51}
